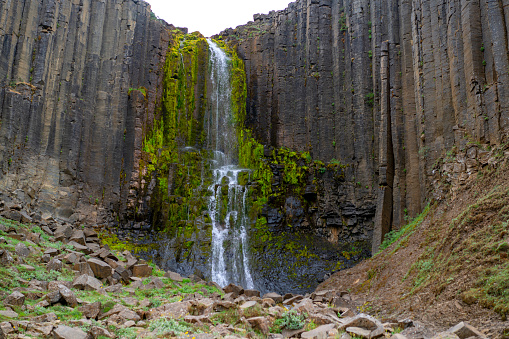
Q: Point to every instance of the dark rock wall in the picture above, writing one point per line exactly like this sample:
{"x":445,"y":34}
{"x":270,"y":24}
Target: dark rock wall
{"x":71,"y":129}
{"x":387,"y":87}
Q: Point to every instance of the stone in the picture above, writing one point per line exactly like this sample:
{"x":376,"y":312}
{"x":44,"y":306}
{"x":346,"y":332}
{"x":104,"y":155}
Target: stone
{"x":247,"y":305}
{"x":87,"y":283}
{"x":445,"y":335}
{"x":65,"y":332}
{"x":260,"y":323}
{"x":9,"y":314}
{"x":91,"y":311}
{"x":27,"y":268}
{"x":464,"y":330}
{"x":129,"y":315}
{"x":100,"y":268}
{"x":53,"y":297}
{"x":174,"y":276}
{"x":6,"y":258}
{"x":54,"y":265}
{"x":359,"y":332}
{"x":129,"y":324}
{"x":141,"y":271}
{"x":22,"y":250}
{"x":45,"y":318}
{"x":398,"y":336}
{"x":84,"y":268}
{"x":25,"y":218}
{"x":293,"y":300}
{"x":35,"y":238}
{"x":96,"y":332}
{"x":321,"y":332}
{"x":362,"y":321}
{"x":232,"y":288}
{"x":131,"y":301}
{"x":68,"y":296}
{"x":45,"y":330}
{"x":15,"y":299}
{"x":114,"y":288}
{"x":53,"y":252}
{"x":79,"y":237}
{"x":252,"y":293}
{"x":3,"y":241}
{"x":274,"y":296}
{"x":63,"y":232}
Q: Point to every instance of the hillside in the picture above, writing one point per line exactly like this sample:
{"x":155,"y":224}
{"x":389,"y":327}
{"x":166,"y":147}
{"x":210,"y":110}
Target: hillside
{"x":450,"y":264}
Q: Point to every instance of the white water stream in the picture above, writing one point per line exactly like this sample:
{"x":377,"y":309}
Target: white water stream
{"x":227,"y":205}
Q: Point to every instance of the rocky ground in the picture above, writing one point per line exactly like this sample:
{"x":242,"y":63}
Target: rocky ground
{"x":59,"y":281}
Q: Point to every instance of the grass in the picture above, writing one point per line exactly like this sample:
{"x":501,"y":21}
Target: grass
{"x":164,"y":326}
{"x":230,"y":316}
{"x":404,"y":233}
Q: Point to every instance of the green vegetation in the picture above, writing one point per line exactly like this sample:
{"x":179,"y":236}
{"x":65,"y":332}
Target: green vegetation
{"x":143,"y":91}
{"x":290,"y":320}
{"x":401,"y":236}
{"x":171,"y":326}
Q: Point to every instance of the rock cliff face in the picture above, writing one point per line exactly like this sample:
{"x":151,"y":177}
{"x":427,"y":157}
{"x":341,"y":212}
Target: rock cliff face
{"x":387,"y":87}
{"x":79,"y":85}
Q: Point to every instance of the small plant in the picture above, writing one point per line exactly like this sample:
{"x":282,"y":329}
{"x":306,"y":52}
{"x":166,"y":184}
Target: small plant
{"x":484,"y":62}
{"x":291,"y":320}
{"x":370,"y":99}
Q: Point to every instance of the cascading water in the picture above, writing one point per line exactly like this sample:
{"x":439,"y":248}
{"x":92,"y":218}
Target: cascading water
{"x":227,"y":205}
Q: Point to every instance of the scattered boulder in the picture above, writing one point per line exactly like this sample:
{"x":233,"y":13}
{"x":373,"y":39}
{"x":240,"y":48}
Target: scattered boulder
{"x":252,"y":293}
{"x":54,"y":265}
{"x":174,"y":276}
{"x":87,"y":283}
{"x":79,"y":237}
{"x":321,"y":332}
{"x":96,"y":332}
{"x":22,"y":250}
{"x":260,"y":323}
{"x":100,"y":268}
{"x":9,"y":314}
{"x":232,"y":288}
{"x":464,"y":330}
{"x":91,"y":311}
{"x":274,"y":296}
{"x":6,"y":258}
{"x":68,"y":296}
{"x":15,"y":299}
{"x":445,"y":335}
{"x":359,"y":332}
{"x":247,"y":305}
{"x":65,"y":332}
{"x":52,"y":252}
{"x":141,"y":271}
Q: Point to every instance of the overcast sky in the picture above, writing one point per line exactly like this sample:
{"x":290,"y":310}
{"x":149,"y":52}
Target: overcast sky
{"x":212,"y":16}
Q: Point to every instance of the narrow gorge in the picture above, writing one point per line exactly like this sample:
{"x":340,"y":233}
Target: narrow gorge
{"x":272,"y":155}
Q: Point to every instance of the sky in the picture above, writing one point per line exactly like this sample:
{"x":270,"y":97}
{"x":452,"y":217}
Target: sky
{"x":212,"y":16}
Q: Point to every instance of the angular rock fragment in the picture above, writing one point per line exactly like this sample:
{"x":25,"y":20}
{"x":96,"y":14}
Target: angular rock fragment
{"x":100,"y":268}
{"x":274,"y":296}
{"x":15,"y":299}
{"x":65,"y":332}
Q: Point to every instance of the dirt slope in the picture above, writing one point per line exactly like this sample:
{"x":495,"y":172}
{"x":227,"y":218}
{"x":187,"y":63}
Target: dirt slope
{"x":450,"y":266}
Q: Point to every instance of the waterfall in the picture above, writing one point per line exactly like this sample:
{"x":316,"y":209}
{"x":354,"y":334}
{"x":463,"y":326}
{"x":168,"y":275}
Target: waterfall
{"x":227,"y":204}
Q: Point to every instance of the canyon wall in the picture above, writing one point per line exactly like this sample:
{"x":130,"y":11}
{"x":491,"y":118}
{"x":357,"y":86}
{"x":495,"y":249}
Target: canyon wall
{"x":385,"y":87}
{"x":79,"y":86}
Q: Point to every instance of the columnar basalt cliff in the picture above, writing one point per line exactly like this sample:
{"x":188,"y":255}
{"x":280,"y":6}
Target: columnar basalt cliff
{"x":79,"y":86}
{"x":386,"y":87}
